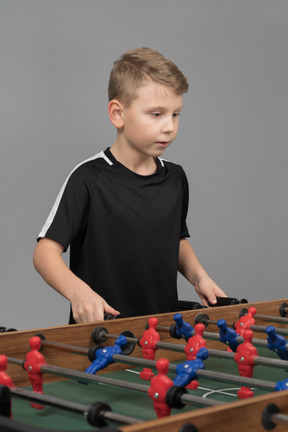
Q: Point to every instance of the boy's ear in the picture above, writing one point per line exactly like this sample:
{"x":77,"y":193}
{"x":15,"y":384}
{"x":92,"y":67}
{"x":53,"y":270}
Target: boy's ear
{"x":115,"y":113}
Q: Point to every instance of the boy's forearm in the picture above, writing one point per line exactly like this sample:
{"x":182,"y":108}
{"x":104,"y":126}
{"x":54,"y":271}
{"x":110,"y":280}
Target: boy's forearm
{"x":87,"y":305}
{"x":190,"y":267}
{"x":188,"y":263}
{"x":50,"y":265}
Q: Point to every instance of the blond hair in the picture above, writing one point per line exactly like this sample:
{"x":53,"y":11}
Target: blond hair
{"x":138,"y":66}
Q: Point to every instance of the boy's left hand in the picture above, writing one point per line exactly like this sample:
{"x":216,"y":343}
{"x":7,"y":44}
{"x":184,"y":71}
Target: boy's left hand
{"x":207,"y":290}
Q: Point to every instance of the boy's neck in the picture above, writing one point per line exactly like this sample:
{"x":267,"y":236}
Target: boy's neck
{"x":133,"y":160}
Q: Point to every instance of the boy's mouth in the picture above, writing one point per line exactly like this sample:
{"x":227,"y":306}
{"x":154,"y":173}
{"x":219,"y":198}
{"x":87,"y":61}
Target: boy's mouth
{"x":163,"y":143}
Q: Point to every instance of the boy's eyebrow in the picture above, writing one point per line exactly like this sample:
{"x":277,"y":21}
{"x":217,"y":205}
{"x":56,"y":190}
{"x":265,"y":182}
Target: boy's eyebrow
{"x":160,"y":108}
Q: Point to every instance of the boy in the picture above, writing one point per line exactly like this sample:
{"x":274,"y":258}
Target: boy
{"x":123,"y":212}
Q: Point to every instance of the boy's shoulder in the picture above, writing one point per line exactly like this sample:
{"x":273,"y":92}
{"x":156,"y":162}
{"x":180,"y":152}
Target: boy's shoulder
{"x":91,"y":166}
{"x":98,"y":160}
{"x":175,"y":167}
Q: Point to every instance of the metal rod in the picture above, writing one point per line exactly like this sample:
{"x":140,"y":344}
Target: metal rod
{"x":68,"y":405}
{"x":258,"y":360}
{"x":190,"y":399}
{"x":83,"y":376}
{"x":251,"y":382}
{"x":159,"y":345}
{"x":48,"y":400}
{"x":121,"y":418}
{"x":272,"y":318}
{"x":65,"y":347}
{"x":86,"y":378}
{"x":279,"y":419}
{"x":261,"y":329}
{"x":128,"y":338}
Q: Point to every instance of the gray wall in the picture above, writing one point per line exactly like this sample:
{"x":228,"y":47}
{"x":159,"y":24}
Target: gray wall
{"x":55,"y":57}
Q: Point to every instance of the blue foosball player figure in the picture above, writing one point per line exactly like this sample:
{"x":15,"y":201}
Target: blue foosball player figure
{"x":276,"y":342}
{"x":227,"y":335}
{"x":182,"y":329}
{"x":187,"y":371}
{"x":281,"y":385}
{"x":104,"y":356}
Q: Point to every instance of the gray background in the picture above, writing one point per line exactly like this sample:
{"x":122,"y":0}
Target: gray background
{"x":55,"y":58}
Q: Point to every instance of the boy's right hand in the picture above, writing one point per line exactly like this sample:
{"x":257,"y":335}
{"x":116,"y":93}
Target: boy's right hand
{"x":88,"y":306}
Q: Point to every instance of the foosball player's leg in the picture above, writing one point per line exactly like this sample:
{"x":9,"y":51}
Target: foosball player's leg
{"x":36,"y":381}
{"x":160,"y":384}
{"x":193,"y":385}
{"x":245,"y":393}
{"x":245,"y":355}
{"x":146,"y":374}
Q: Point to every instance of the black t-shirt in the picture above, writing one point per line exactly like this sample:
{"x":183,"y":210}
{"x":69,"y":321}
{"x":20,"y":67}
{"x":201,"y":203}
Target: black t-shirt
{"x":123,"y":230}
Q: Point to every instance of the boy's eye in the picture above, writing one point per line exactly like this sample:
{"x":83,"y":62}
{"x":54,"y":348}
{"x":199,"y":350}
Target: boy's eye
{"x":159,"y":114}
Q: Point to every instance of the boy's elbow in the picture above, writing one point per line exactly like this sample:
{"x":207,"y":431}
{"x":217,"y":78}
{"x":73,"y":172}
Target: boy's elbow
{"x":37,"y":256}
{"x":45,"y":250}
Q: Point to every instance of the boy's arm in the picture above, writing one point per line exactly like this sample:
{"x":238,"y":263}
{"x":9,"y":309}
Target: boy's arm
{"x":190,"y":267}
{"x":86,"y":305}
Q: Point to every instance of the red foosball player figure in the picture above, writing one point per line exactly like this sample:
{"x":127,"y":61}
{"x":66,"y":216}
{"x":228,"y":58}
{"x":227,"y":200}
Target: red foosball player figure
{"x":33,"y":363}
{"x":5,"y":380}
{"x":245,"y":322}
{"x":245,"y":355}
{"x":148,"y":343}
{"x":194,"y":344}
{"x":160,"y":384}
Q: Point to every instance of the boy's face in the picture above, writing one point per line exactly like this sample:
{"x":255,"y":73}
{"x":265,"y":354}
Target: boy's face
{"x":150,"y":123}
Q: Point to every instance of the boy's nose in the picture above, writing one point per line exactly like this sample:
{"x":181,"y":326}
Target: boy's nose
{"x":168,"y":126}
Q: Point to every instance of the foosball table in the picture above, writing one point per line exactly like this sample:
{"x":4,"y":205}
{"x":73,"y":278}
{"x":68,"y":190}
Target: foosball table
{"x":212,"y":369}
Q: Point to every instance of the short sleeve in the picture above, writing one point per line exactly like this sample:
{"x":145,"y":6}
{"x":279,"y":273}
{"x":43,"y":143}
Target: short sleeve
{"x":69,"y":212}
